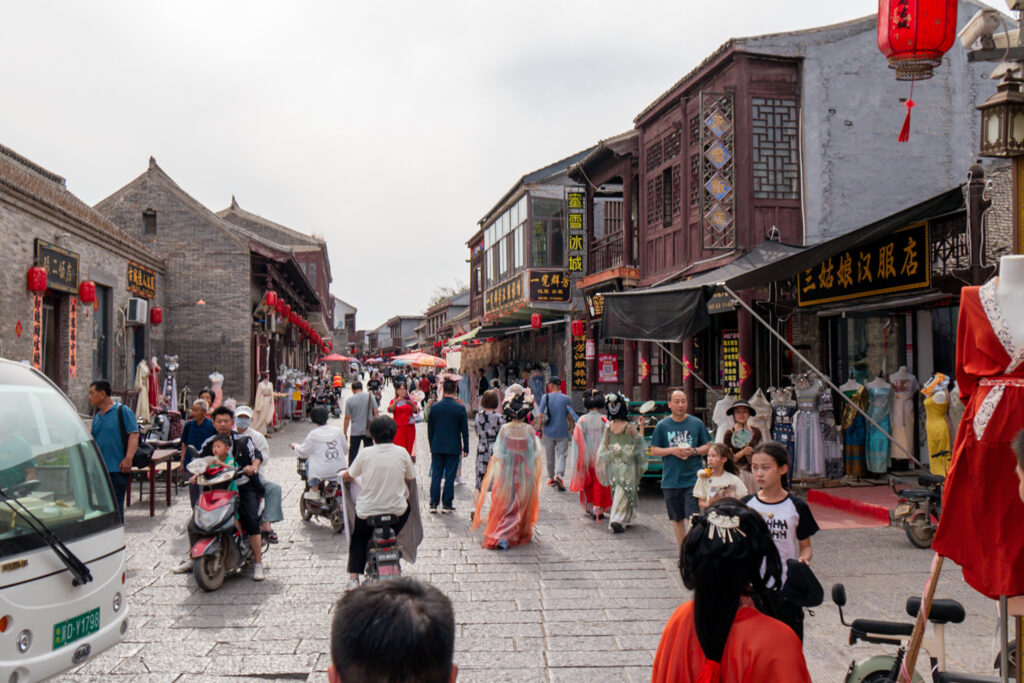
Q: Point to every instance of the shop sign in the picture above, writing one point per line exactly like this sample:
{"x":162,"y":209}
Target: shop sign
{"x":549,"y":287}
{"x":731,"y":362}
{"x":595,"y":304}
{"x":576,"y":246}
{"x":141,"y":281}
{"x":508,"y":293}
{"x":579,"y":363}
{"x":61,"y":266}
{"x":895,"y":263}
{"x":608,"y":368}
{"x":37,"y":332}
{"x":591,"y":352}
{"x":721,"y":302}
{"x":73,"y":338}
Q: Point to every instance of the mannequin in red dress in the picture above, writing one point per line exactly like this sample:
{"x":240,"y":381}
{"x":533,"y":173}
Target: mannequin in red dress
{"x":402,"y":408}
{"x":981,"y":510}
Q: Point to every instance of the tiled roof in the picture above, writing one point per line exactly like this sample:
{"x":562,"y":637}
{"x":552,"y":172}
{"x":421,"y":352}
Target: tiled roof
{"x":266,"y":227}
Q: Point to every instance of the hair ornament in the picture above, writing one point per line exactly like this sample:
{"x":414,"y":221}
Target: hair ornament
{"x":724,"y":526}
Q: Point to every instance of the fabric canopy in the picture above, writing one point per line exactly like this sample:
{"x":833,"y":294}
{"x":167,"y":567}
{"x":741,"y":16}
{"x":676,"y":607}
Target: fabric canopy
{"x":465,"y":337}
{"x":658,"y":316}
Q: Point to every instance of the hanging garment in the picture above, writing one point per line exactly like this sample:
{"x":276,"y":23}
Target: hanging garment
{"x":830,"y":435}
{"x":154,"y":386}
{"x":904,"y":393}
{"x":782,"y":427}
{"x":937,"y":427}
{"x":263,"y":406}
{"x":216,"y":386}
{"x":981,"y":507}
{"x":879,"y":405}
{"x":855,"y":432}
{"x":513,"y":476}
{"x":956,"y":409}
{"x":586,"y":438}
{"x":763,"y":407}
{"x":142,"y":386}
{"x":622,"y":462}
{"x":170,"y":392}
{"x":809,"y":447}
{"x":721,"y":417}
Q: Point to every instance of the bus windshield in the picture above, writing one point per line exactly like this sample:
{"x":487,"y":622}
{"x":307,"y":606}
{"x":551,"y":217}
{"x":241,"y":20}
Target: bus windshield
{"x":50,"y":465}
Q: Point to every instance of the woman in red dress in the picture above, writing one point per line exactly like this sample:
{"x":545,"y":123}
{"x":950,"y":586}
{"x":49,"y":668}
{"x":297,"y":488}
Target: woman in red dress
{"x":402,"y":408}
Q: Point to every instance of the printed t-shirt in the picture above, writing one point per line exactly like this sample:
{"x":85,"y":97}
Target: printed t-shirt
{"x":382,"y":470}
{"x":676,"y":472}
{"x":708,"y":487}
{"x":790,"y":521}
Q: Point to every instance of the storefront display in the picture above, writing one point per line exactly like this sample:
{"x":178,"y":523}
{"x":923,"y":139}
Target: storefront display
{"x":762,"y":419}
{"x":808,"y":443}
{"x":937,"y":424}
{"x":855,"y":428}
{"x":904,"y":387}
{"x":830,"y":436}
{"x":783,"y":408}
{"x":879,"y":409}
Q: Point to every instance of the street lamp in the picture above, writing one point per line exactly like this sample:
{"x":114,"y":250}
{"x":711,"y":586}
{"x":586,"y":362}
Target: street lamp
{"x":1002,"y":121}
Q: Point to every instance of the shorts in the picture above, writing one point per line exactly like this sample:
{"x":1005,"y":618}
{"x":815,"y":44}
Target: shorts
{"x":680,"y":503}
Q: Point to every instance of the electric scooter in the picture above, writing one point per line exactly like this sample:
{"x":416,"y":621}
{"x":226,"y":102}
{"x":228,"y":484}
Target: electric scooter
{"x":327,"y":502}
{"x":384,"y":559}
{"x":919,"y":509}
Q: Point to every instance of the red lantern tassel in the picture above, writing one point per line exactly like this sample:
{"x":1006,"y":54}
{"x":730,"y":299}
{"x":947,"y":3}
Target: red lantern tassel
{"x":905,"y":131}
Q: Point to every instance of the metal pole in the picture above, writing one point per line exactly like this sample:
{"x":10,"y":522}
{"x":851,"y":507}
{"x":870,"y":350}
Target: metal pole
{"x":822,"y":375}
{"x":678,"y":360}
{"x":1004,"y":635}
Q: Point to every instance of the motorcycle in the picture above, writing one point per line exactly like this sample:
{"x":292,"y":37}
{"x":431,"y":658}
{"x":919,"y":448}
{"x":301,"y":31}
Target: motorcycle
{"x":918,"y":510}
{"x":384,"y":559}
{"x":219,"y":548}
{"x":326,"y":503}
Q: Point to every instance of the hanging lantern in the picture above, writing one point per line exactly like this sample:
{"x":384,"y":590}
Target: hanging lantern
{"x":37,"y":279}
{"x":279,"y":306}
{"x":535,"y":321}
{"x":579,"y":328}
{"x":271,"y":299}
{"x":87,"y":291}
{"x":913,"y":35}
{"x":156,"y":315}
{"x":1002,"y":121}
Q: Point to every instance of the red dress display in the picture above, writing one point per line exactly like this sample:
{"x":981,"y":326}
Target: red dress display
{"x":402,"y":410}
{"x":981,"y":510}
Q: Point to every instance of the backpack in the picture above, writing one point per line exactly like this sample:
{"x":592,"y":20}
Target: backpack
{"x":143,"y":457}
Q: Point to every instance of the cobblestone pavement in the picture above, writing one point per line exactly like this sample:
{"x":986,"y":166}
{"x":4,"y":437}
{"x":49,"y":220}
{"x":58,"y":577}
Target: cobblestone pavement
{"x":577,"y":604}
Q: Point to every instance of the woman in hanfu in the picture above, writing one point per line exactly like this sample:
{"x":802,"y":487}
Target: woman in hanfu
{"x":513,"y":476}
{"x":621,"y":462}
{"x":595,"y":496}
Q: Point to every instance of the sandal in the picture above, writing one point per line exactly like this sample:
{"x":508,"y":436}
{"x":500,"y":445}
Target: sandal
{"x":271,"y":536}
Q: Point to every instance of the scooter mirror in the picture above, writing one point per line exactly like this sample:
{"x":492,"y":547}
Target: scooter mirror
{"x":839,"y":594}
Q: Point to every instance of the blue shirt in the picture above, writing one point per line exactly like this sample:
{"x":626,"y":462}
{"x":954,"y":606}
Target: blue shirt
{"x":678,"y":473}
{"x":560,"y":408}
{"x":195,"y":435}
{"x":448,"y":428}
{"x":106,"y":432}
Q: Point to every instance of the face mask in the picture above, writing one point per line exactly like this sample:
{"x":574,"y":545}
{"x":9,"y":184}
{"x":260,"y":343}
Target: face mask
{"x":243,"y":423}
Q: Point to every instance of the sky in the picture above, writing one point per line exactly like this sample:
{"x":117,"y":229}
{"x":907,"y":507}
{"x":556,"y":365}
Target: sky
{"x":388,"y":128}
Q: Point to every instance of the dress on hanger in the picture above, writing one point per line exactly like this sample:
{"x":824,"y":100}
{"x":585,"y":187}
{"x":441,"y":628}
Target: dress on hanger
{"x":216,"y":386}
{"x":763,"y":419}
{"x":855,"y":430}
{"x":904,"y":390}
{"x":722,"y":419}
{"x":981,"y":507}
{"x":879,"y":405}
{"x":937,"y":427}
{"x":809,"y":446}
{"x":783,"y":407}
{"x":142,"y":386}
{"x":830,"y":435}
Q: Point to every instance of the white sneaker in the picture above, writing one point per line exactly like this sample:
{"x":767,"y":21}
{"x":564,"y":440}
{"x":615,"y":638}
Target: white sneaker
{"x":352,"y":583}
{"x":459,"y":481}
{"x":257,"y":572}
{"x":183,"y":568}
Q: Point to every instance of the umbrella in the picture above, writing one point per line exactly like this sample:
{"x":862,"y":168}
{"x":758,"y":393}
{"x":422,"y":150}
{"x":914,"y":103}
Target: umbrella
{"x":421,"y":359}
{"x":374,"y":360}
{"x":335,"y":357}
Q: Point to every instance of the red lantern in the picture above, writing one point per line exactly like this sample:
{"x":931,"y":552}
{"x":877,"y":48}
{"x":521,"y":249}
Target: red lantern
{"x":535,"y":321}
{"x":87,"y":291}
{"x":579,"y":328}
{"x":271,"y":299}
{"x":279,"y":306}
{"x":37,"y":279}
{"x":156,"y":315}
{"x":913,"y":35}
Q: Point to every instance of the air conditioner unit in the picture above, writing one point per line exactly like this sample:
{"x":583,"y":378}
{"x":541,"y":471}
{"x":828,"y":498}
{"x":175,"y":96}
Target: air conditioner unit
{"x":137,"y":310}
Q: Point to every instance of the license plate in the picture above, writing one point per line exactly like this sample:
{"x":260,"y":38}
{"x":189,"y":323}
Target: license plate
{"x":387,"y":556}
{"x":77,"y":627}
{"x":902,"y":510}
{"x":388,"y":570}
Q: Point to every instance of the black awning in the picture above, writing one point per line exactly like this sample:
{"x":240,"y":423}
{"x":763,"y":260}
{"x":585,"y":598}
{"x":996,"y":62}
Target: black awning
{"x":670,"y":313}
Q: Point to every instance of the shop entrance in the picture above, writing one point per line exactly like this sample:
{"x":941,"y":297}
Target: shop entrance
{"x":50,"y":340}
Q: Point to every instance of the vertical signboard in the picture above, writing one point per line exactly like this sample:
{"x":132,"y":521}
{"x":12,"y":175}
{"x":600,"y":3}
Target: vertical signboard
{"x":576,"y":240}
{"x":731,"y":362}
{"x":579,"y":363}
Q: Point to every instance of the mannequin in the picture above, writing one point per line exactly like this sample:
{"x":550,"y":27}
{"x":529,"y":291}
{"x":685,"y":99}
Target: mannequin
{"x":809,"y":445}
{"x":154,"y":385}
{"x":830,"y":435}
{"x":722,"y":418}
{"x":263,"y":408}
{"x":981,"y":508}
{"x":170,"y":390}
{"x":937,"y":423}
{"x":855,"y":428}
{"x":763,"y":419}
{"x":142,"y":386}
{"x":783,"y":408}
{"x":216,"y":386}
{"x":879,"y":407}
{"x":956,"y":409}
{"x":904,"y":387}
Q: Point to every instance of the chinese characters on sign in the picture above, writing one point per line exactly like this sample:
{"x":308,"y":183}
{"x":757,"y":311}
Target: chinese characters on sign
{"x":37,"y":332}
{"x":608,"y":368}
{"x":591,"y":352}
{"x":73,"y":338}
{"x":894,"y":263}
{"x":576,"y":248}
{"x":141,"y":281}
{"x":506,"y":294}
{"x":579,"y":363}
{"x":595,"y":303}
{"x":731,"y":362}
{"x":61,"y":266}
{"x":549,"y":286}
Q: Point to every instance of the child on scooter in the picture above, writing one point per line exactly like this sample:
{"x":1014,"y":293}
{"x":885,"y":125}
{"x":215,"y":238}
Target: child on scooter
{"x":789,"y":519}
{"x":221,"y":447}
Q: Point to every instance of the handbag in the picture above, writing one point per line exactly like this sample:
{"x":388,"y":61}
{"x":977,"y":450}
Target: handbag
{"x":143,"y":457}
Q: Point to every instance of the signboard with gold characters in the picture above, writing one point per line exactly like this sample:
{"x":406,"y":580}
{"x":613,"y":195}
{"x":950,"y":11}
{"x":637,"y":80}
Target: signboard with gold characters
{"x":575,"y":247}
{"x":547,"y":287}
{"x":505,"y":294}
{"x":61,"y":266}
{"x":731,"y":362}
{"x":141,"y":281}
{"x":895,"y":263}
{"x":579,"y":363}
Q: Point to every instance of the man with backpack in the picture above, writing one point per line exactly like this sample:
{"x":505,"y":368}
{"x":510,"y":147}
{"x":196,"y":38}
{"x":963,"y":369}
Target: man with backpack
{"x":116,"y":433}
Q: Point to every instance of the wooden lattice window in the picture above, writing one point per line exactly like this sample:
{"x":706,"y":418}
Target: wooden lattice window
{"x":672,"y":145}
{"x":694,"y":131}
{"x":653,"y":155}
{"x":775,"y":149}
{"x":695,"y":180}
{"x":650,"y":201}
{"x":677,"y":190}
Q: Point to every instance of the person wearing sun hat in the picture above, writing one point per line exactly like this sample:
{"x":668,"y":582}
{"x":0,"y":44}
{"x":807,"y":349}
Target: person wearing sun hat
{"x":742,"y":439}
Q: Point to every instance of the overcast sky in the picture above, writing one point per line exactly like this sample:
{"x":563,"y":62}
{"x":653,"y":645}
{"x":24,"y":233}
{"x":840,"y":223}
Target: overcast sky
{"x":389,"y":128}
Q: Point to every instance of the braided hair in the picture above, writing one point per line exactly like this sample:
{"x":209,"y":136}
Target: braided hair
{"x":721,"y":560}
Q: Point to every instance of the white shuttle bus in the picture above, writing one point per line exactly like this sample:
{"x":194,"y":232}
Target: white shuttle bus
{"x":62,"y":552}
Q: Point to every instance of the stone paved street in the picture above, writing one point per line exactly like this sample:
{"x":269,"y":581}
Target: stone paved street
{"x":578,"y":604}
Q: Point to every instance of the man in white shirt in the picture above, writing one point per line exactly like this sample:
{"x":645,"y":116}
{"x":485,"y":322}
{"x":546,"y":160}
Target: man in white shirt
{"x":383,"y":470}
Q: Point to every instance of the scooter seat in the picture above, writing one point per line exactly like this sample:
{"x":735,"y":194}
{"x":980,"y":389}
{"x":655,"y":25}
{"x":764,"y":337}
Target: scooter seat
{"x":930,"y":479}
{"x":382,"y":521}
{"x":882,"y":628}
{"x":942,"y":611}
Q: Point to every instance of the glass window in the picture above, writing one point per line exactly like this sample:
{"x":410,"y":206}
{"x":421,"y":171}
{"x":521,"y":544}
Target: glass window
{"x":490,"y":267}
{"x":517,"y":248}
{"x":522,"y":209}
{"x":514,"y":213}
{"x":547,"y":208}
{"x":556,"y":256}
{"x":506,"y":223}
{"x":540,"y":244}
{"x":101,"y":334}
{"x":503,"y":257}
